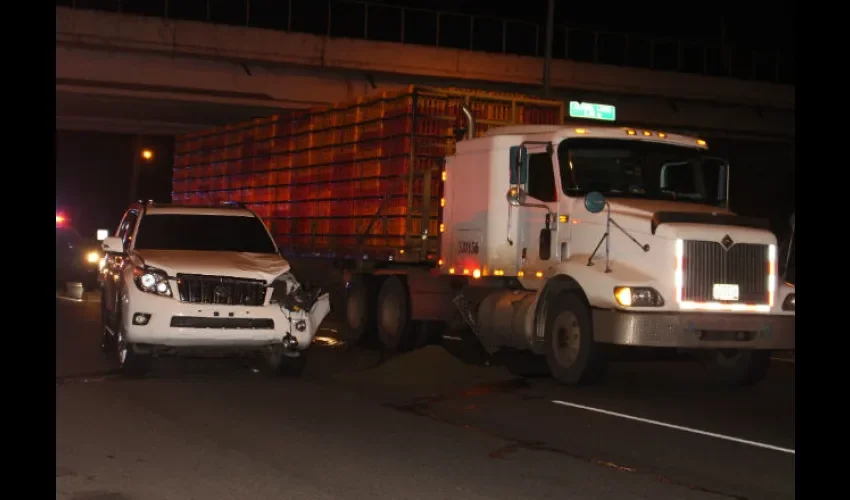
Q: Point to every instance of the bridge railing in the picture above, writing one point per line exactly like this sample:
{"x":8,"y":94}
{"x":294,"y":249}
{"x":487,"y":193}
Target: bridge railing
{"x":382,"y":22}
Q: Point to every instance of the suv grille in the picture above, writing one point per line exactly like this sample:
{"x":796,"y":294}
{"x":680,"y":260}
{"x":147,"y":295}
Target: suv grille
{"x":707,"y":263}
{"x":199,"y":289}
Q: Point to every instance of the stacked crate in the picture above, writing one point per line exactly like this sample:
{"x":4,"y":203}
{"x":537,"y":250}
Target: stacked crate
{"x":353,"y":179}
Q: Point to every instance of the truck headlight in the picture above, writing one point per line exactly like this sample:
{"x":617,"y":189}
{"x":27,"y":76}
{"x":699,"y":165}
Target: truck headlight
{"x":629,"y":296}
{"x":92,"y":257}
{"x":152,"y":281}
{"x":790,"y":303}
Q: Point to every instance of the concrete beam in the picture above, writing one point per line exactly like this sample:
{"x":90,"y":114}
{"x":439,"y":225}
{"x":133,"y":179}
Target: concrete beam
{"x":111,"y":31}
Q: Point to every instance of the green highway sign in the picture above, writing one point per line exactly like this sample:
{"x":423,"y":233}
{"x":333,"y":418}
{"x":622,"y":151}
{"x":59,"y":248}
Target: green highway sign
{"x":593,"y":111}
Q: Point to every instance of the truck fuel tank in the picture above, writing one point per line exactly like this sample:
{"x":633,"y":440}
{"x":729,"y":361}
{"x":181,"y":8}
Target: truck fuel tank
{"x":506,"y":318}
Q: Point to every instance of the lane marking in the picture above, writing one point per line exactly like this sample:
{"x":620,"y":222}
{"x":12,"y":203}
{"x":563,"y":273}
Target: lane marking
{"x":451,"y":337}
{"x":71,"y":299}
{"x":677,"y":427}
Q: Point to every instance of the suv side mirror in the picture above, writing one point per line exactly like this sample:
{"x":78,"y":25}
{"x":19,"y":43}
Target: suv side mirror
{"x":112,"y":244}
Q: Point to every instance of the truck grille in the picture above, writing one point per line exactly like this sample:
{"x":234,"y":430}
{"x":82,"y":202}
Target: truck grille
{"x":707,"y":263}
{"x":199,"y":289}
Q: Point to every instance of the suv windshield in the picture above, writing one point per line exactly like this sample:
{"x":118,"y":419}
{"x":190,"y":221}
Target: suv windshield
{"x":641,"y":169}
{"x":216,"y":233}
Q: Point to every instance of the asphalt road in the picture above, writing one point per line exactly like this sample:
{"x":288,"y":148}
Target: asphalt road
{"x":432,"y":424}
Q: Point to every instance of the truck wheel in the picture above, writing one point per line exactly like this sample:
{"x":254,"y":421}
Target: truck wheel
{"x":738,"y":367}
{"x":360,"y":310}
{"x":395,"y":328}
{"x":278,"y":364}
{"x":571,"y":353}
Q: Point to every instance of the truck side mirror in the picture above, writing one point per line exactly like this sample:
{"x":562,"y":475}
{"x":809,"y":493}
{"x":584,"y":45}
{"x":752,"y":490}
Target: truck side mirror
{"x":594,"y":202}
{"x":545,"y":246}
{"x":519,"y":165}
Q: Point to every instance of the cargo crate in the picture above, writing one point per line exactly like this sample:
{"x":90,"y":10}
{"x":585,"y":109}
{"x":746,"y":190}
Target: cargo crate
{"x":355,"y":179}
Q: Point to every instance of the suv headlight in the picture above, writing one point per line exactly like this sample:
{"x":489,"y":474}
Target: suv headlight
{"x":152,"y":280}
{"x":642,"y":296}
{"x":790,"y":302}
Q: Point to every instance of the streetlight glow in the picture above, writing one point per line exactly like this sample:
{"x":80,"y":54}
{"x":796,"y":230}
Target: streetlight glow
{"x":147,"y":154}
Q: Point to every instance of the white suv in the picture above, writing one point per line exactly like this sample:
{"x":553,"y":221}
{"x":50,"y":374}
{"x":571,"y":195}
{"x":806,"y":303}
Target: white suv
{"x":203,"y":277}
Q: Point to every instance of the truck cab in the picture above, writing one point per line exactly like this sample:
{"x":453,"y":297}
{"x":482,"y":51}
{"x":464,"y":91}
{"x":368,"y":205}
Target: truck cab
{"x":568,"y":240}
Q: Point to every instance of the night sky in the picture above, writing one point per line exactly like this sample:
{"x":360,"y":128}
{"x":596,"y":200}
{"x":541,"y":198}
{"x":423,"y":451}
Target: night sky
{"x":93,"y":169}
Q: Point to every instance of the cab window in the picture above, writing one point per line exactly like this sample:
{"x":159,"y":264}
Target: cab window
{"x":541,"y":177}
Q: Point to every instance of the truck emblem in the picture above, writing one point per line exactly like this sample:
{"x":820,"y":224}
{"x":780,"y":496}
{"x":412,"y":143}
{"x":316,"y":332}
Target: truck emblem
{"x":469,"y":247}
{"x":727,"y":242}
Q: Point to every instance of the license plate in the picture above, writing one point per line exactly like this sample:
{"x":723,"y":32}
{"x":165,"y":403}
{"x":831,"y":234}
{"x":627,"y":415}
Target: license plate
{"x":725,"y":292}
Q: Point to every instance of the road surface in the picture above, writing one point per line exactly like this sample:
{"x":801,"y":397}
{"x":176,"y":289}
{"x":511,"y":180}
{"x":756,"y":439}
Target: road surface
{"x":431,"y":424}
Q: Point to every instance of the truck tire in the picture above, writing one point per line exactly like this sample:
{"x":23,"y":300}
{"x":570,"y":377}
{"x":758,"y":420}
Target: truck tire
{"x":738,"y":367}
{"x":574,"y":358}
{"x":360,"y":310}
{"x":395,"y":328}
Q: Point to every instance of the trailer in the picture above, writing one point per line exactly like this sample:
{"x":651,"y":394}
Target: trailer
{"x":358,"y":183}
{"x":552,"y":242}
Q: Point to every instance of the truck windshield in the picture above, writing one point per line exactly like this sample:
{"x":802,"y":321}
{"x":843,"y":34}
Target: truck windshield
{"x":641,"y":169}
{"x":215,"y":233}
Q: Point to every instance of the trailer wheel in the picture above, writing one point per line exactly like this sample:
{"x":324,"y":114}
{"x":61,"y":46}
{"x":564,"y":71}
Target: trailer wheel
{"x":738,"y":367}
{"x":395,"y":328}
{"x":360,"y":310}
{"x":573,"y":356}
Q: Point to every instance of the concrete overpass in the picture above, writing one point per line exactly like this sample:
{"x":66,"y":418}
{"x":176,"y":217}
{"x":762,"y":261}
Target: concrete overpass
{"x":123,"y":73}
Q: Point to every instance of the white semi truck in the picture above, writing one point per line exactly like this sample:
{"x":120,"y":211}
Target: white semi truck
{"x":550,"y":241}
{"x":562,"y":241}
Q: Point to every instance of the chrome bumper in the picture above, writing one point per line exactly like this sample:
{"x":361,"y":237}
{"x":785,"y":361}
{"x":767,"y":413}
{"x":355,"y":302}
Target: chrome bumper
{"x":694,"y":330}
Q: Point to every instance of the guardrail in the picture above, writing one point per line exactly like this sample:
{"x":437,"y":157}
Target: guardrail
{"x":381,"y":22}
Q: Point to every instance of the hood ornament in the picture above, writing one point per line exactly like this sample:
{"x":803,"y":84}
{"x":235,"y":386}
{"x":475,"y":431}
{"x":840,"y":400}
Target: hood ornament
{"x":727,"y":242}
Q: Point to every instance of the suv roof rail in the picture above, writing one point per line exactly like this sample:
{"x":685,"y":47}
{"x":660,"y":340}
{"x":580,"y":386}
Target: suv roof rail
{"x":234,"y":204}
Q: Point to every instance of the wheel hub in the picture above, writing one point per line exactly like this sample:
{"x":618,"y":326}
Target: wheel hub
{"x":567,"y":338}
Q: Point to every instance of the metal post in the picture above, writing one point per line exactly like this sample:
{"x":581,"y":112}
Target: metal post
{"x":137,"y":164}
{"x":547,"y":60}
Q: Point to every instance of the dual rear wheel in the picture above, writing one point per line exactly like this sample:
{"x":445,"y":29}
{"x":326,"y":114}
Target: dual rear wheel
{"x":378,"y":312}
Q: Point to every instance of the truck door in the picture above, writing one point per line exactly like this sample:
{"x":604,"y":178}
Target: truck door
{"x":537,"y":219}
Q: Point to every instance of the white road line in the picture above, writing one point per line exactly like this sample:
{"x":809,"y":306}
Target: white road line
{"x":72,"y":299}
{"x":450,"y":337}
{"x":677,"y":427}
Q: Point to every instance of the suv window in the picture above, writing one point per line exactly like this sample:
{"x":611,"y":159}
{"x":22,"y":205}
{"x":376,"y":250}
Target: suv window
{"x":216,"y":233}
